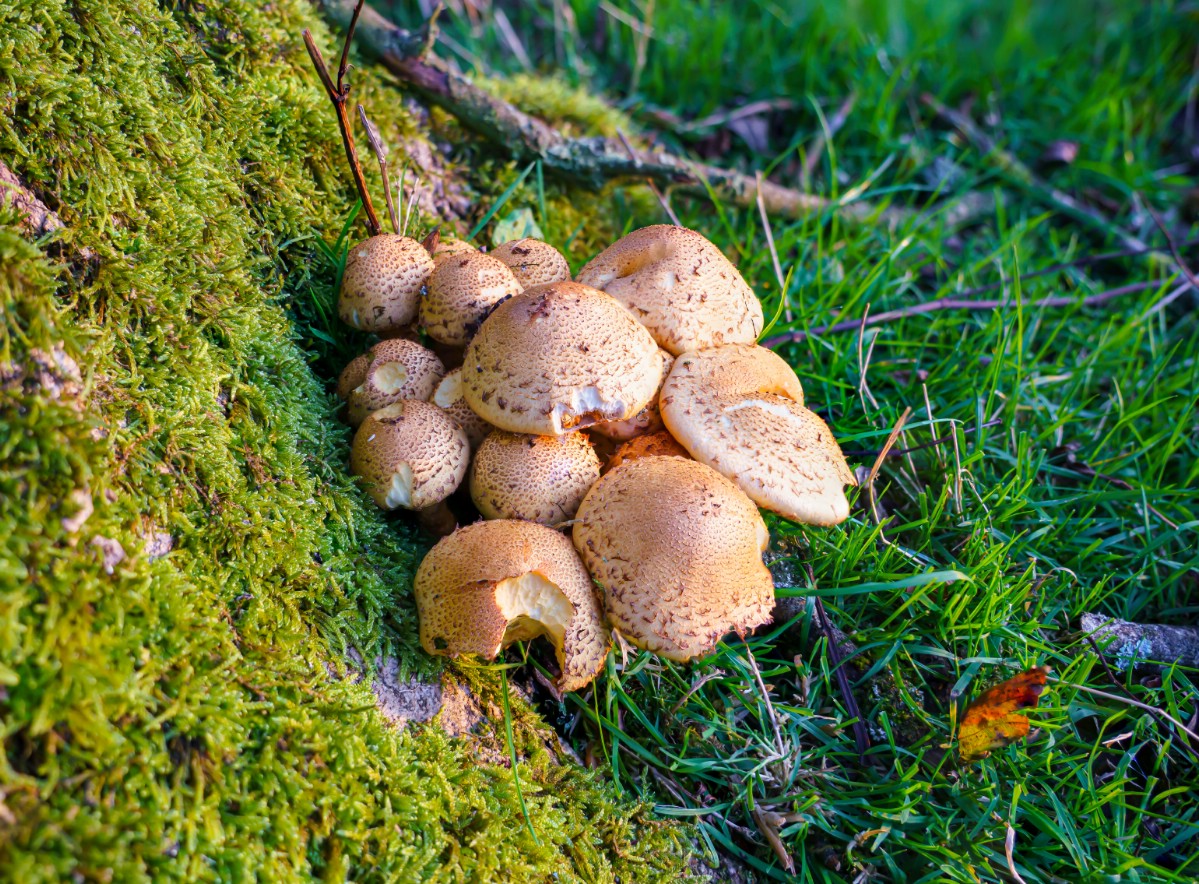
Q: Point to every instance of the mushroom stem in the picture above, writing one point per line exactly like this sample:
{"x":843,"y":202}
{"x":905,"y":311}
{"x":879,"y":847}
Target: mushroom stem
{"x":437,"y":519}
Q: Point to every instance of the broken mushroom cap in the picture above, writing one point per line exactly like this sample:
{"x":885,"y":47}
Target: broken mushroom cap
{"x":461,"y":292}
{"x":731,"y":413}
{"x":448,"y":397}
{"x":411,"y":454}
{"x":352,"y":375}
{"x":558,"y":358}
{"x":381,"y":286}
{"x":538,"y":478}
{"x":680,"y":286}
{"x":494,"y":583}
{"x":659,"y":444}
{"x":647,"y":420}
{"x":533,"y":262}
{"x":398,"y":369}
{"x":677,"y":549}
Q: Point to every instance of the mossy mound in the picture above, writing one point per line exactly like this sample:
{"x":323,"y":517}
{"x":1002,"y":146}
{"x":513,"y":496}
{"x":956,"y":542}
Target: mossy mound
{"x":172,"y":714}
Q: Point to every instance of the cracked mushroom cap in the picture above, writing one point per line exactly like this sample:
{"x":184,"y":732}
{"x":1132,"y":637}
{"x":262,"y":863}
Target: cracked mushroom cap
{"x":494,"y":583}
{"x":448,"y":397}
{"x":739,"y":409}
{"x":558,"y":358}
{"x":411,"y":454}
{"x":533,"y":262}
{"x":659,"y":444}
{"x":462,"y":290}
{"x":398,"y":369}
{"x":381,"y":286}
{"x":677,"y":548}
{"x":538,"y":478}
{"x":647,"y":420}
{"x":680,"y":286}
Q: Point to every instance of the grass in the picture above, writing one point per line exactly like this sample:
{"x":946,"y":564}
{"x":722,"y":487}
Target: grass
{"x":176,"y":720}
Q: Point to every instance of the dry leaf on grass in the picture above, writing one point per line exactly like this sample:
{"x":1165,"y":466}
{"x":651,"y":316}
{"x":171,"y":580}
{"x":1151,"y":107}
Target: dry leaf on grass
{"x":993,"y":720}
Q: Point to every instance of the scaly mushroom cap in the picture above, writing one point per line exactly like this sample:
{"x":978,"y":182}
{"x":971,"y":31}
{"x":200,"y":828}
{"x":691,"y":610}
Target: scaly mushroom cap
{"x":557,"y":358}
{"x":448,"y":248}
{"x":680,"y":286}
{"x":461,"y":291}
{"x":398,"y":369}
{"x":738,"y":408}
{"x":381,"y":286}
{"x":538,"y":478}
{"x":533,"y":262}
{"x":659,"y":444}
{"x":677,"y":548}
{"x":448,"y":397}
{"x":493,"y":583}
{"x":352,"y":375}
{"x":647,"y":420}
{"x":411,"y":454}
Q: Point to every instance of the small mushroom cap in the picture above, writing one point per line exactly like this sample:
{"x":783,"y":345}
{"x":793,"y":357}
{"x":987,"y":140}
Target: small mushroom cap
{"x":381,"y":286}
{"x":448,"y":248}
{"x":461,"y":292}
{"x":677,"y":548}
{"x":647,"y":420}
{"x":493,"y":583}
{"x":398,"y":369}
{"x":538,"y":478}
{"x":533,"y":262}
{"x":659,"y":444}
{"x":352,"y":375}
{"x":411,"y":454}
{"x":733,"y":412}
{"x":558,"y":358}
{"x":448,"y":397}
{"x":680,"y":286}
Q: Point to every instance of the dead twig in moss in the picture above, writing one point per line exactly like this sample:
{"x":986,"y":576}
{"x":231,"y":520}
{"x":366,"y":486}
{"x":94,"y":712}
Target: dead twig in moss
{"x":339,"y":94}
{"x":380,"y":151}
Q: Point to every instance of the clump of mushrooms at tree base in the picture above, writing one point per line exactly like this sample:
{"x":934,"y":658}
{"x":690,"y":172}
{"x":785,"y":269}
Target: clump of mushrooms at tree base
{"x":616,"y":435}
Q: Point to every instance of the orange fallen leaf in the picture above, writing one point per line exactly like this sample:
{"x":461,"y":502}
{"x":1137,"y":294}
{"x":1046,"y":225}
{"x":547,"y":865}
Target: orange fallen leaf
{"x":993,"y":721}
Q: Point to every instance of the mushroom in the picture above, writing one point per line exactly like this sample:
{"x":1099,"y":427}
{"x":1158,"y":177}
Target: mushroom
{"x":739,"y":409}
{"x":448,"y":248}
{"x":533,"y":262}
{"x":659,"y":444}
{"x":411,"y":454}
{"x":398,"y":369}
{"x":539,"y":478}
{"x":352,"y":375}
{"x":680,"y":286}
{"x":647,"y":420}
{"x":558,"y":358}
{"x":381,"y":285}
{"x":494,"y":583}
{"x":448,"y":396}
{"x":461,"y":291}
{"x":677,"y":549}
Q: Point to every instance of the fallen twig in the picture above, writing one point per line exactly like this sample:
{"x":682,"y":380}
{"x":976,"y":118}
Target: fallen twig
{"x":1144,"y":642}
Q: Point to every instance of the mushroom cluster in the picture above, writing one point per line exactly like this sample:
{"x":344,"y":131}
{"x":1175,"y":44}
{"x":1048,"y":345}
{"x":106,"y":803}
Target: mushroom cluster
{"x":616,"y":433}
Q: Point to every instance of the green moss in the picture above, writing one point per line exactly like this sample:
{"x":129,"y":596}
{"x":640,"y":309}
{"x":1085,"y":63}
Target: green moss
{"x":175,"y":718}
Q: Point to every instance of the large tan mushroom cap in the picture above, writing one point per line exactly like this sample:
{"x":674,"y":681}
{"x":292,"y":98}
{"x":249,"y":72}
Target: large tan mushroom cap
{"x":677,"y":548}
{"x":398,"y":369}
{"x":680,"y":286}
{"x":539,"y":478}
{"x":448,"y":397}
{"x":533,"y":262}
{"x":647,"y":420}
{"x":557,"y":358}
{"x":461,"y":292}
{"x":659,"y":444}
{"x":736,"y":413}
{"x":448,"y":248}
{"x":411,"y":455}
{"x":494,"y":583}
{"x":381,"y":286}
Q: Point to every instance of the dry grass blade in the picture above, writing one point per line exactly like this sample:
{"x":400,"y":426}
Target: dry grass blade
{"x":380,"y":151}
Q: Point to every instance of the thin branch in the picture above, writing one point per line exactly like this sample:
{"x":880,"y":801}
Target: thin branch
{"x":674,"y":219}
{"x":1128,"y":701}
{"x":380,"y":151}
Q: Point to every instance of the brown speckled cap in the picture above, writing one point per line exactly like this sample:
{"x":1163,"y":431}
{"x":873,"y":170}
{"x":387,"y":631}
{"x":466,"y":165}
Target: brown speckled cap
{"x":448,"y":248}
{"x":397,"y":369}
{"x":352,"y":375}
{"x":680,"y":286}
{"x":738,"y":408}
{"x":533,"y":262}
{"x":557,"y":358}
{"x":493,"y":583}
{"x":461,"y":291}
{"x":411,"y":454}
{"x":659,"y":444}
{"x":677,"y":549}
{"x":647,"y":420}
{"x":448,"y":397}
{"x":381,"y":286}
{"x":539,"y":478}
